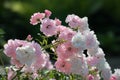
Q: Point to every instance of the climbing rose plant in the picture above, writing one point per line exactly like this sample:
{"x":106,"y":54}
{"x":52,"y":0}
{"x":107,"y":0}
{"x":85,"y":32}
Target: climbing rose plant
{"x":60,"y":53}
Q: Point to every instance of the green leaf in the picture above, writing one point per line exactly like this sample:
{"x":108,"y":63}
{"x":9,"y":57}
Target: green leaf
{"x":1,"y":32}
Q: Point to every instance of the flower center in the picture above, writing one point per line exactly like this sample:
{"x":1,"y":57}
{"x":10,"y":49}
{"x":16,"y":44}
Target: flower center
{"x":69,"y":49}
{"x":48,"y":26}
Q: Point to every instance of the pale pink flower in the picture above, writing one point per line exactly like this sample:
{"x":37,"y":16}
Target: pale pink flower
{"x":90,"y":77}
{"x":38,"y":49}
{"x":33,"y":54}
{"x":78,"y":41}
{"x":35,"y":75}
{"x":106,"y":74}
{"x":61,"y":28}
{"x":79,"y":65}
{"x":11,"y":74}
{"x":100,"y":53}
{"x":97,"y":77}
{"x":29,"y":37}
{"x":40,"y":62}
{"x":103,"y":64}
{"x":48,"y":27}
{"x":48,"y":13}
{"x":58,"y":22}
{"x":16,"y":62}
{"x":92,"y":51}
{"x":10,"y":47}
{"x":105,"y":68}
{"x":66,"y":50}
{"x":84,"y":24}
{"x":36,"y":18}
{"x":90,"y":39}
{"x":23,"y":52}
{"x":27,"y":69}
{"x":48,"y":64}
{"x":67,"y":34}
{"x":73,"y":20}
{"x":92,"y":61}
{"x":63,"y":66}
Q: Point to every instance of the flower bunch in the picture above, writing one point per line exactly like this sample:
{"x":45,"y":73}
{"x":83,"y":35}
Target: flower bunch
{"x":76,"y":49}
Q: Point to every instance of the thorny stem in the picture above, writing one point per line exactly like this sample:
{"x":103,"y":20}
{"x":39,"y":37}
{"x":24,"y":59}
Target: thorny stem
{"x":54,"y":44}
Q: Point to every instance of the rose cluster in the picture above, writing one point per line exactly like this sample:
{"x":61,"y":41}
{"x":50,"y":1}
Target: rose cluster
{"x":76,"y":47}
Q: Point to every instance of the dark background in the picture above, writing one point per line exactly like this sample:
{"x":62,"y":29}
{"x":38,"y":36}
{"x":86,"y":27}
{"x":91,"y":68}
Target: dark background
{"x":103,"y":16}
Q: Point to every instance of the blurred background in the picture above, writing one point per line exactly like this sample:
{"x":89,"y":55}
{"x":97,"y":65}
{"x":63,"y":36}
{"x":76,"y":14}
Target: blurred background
{"x":103,"y":16}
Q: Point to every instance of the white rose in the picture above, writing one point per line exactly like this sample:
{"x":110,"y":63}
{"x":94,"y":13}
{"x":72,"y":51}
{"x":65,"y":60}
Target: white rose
{"x":26,"y":55}
{"x":78,"y":41}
